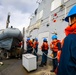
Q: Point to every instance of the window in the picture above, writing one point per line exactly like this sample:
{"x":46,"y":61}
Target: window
{"x":55,"y":4}
{"x":39,"y":15}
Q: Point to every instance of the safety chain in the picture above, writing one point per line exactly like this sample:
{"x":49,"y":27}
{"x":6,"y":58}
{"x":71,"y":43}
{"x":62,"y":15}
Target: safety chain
{"x":50,"y":57}
{"x":43,"y":53}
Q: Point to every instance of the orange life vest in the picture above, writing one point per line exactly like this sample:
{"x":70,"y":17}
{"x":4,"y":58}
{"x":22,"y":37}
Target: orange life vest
{"x":53,"y":45}
{"x":44,"y":46}
{"x":35,"y":44}
{"x":29,"y":43}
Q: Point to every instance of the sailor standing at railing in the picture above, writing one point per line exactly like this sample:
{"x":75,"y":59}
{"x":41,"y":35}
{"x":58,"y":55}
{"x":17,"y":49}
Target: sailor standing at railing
{"x":35,"y":47}
{"x":29,"y":44}
{"x":55,"y":46}
{"x":44,"y":49}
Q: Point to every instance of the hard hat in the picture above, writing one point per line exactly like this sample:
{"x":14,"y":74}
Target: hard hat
{"x":54,"y":37}
{"x":36,"y":39}
{"x":71,"y":12}
{"x":44,"y":39}
{"x":28,"y":39}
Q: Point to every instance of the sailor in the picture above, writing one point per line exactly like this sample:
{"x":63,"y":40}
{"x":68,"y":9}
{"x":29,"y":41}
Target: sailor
{"x":55,"y":46}
{"x":67,"y":64}
{"x":35,"y":46}
{"x":29,"y":44}
{"x":44,"y":49}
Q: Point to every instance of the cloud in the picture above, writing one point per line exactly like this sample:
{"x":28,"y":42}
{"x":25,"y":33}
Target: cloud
{"x":20,"y":11}
{"x":23,"y":5}
{"x":19,"y":20}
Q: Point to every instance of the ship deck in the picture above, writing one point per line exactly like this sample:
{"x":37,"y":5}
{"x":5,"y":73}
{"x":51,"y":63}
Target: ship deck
{"x":14,"y":67}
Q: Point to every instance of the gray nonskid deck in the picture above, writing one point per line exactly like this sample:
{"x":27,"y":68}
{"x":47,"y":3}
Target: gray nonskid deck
{"x":14,"y":67}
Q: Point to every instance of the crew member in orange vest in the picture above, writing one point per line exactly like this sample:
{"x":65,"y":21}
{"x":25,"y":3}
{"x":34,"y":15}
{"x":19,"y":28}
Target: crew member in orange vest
{"x":44,"y":49}
{"x":35,"y":46}
{"x":59,"y":55}
{"x":29,"y":44}
{"x":55,"y":46}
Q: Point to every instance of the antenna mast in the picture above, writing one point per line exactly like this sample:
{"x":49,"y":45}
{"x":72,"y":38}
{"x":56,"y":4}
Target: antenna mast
{"x":8,"y":20}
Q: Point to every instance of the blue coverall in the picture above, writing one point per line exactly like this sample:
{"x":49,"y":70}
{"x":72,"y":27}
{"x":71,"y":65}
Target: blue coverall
{"x":67,"y":65}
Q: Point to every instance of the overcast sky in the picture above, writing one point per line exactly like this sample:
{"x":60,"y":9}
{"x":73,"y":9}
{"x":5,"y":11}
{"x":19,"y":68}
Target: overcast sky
{"x":20,"y":11}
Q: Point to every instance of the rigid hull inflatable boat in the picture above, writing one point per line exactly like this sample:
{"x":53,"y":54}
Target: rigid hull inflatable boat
{"x":10,"y":39}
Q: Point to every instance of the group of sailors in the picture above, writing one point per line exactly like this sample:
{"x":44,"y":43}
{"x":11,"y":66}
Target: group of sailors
{"x":55,"y":46}
{"x":64,"y":52}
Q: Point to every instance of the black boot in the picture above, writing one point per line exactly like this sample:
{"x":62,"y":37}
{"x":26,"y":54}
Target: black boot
{"x":41,"y":65}
{"x":44,"y":64}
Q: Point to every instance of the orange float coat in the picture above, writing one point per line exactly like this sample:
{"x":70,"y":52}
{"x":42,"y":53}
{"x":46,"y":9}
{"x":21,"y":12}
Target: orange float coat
{"x":53,"y":45}
{"x":35,"y":44}
{"x":44,"y":46}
